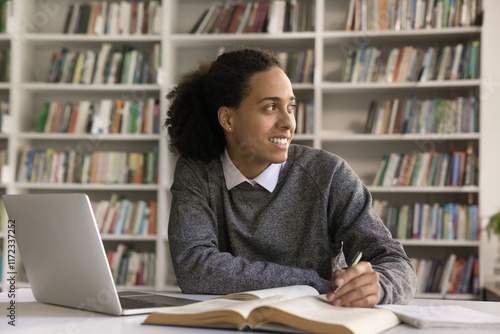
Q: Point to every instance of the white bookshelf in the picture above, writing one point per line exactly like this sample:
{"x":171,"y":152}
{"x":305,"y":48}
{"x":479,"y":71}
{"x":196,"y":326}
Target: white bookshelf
{"x":36,"y":32}
{"x":340,"y":108}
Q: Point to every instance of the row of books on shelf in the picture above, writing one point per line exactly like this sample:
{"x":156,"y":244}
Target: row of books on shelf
{"x":5,"y":118}
{"x":399,"y":116}
{"x":98,"y":167}
{"x":256,"y":17}
{"x":130,"y":267}
{"x":373,"y":15}
{"x":298,"y":65}
{"x":412,"y":64}
{"x":110,"y":65}
{"x":457,"y":168}
{"x":4,"y":65}
{"x":455,"y":275}
{"x":105,"y":116}
{"x":119,"y":215}
{"x":114,"y":18}
{"x":304,"y":117}
{"x":424,"y":221}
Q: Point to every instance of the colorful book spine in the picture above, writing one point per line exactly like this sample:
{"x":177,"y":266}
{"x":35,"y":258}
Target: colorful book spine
{"x":452,"y":275}
{"x":410,"y":64}
{"x":451,"y":221}
{"x":99,"y":117}
{"x":132,"y":267}
{"x":134,"y":18}
{"x":59,"y":166}
{"x":457,"y":168}
{"x":366,"y":15}
{"x":110,"y":66}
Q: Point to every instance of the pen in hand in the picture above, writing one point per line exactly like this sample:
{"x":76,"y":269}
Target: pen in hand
{"x":357,"y":257}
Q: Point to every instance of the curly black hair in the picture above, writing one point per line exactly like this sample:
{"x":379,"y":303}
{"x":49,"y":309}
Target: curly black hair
{"x":192,"y":121}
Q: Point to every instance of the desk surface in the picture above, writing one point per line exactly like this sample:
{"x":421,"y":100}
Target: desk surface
{"x":33,"y":317}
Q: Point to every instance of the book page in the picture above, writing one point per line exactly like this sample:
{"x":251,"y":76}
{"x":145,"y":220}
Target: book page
{"x":294,"y":291}
{"x":315,"y":314}
{"x":443,"y":316}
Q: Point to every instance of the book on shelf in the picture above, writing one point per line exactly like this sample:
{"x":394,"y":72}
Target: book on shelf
{"x":4,"y":65}
{"x":424,"y":221}
{"x":456,"y":168}
{"x":5,"y":15}
{"x":105,"y":116}
{"x":130,"y":267}
{"x":70,"y":166}
{"x":109,"y":66}
{"x":5,"y":117}
{"x":411,"y":64}
{"x":375,"y":15}
{"x":256,"y":16}
{"x":277,"y":15}
{"x":304,"y":114}
{"x":113,"y":18}
{"x":296,"y":307}
{"x":298,"y":65}
{"x":261,"y":17}
{"x":454,"y":275}
{"x":121,"y":216}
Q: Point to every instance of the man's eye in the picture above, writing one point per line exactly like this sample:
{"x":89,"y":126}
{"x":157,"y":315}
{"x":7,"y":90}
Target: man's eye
{"x":292,"y":108}
{"x":271,"y":107}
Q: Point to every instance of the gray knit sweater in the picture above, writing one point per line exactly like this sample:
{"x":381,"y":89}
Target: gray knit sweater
{"x":247,"y":238}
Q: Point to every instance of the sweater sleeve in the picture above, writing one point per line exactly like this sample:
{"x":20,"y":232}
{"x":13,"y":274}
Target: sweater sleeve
{"x":200,"y":266}
{"x":354,"y":222}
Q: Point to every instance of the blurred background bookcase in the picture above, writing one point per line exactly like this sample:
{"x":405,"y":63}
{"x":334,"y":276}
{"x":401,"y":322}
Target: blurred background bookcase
{"x":340,"y":109}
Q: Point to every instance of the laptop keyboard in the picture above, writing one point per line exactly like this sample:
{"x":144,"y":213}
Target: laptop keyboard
{"x":131,"y":303}
{"x":141,"y":300}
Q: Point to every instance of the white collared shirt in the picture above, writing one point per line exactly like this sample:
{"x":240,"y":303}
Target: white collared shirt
{"x":267,"y":179}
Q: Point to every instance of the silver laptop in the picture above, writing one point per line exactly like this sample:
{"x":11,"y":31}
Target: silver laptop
{"x":64,"y":257}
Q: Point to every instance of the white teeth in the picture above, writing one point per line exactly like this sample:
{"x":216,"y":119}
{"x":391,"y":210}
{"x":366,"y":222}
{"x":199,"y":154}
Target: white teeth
{"x":281,"y":141}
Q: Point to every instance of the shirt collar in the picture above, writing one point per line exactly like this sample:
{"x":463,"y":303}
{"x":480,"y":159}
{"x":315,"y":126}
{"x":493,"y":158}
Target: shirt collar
{"x":268,"y":179}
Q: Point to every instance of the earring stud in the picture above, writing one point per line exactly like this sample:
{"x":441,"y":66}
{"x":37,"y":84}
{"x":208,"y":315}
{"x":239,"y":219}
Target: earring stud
{"x":229,"y":129}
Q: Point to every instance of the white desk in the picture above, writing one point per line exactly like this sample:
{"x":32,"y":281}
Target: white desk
{"x":37,"y":318}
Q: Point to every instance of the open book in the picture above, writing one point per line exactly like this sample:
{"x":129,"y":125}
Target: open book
{"x":294,"y":308}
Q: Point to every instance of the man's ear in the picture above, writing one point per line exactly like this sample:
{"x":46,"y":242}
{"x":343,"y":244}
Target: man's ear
{"x":224,"y":114}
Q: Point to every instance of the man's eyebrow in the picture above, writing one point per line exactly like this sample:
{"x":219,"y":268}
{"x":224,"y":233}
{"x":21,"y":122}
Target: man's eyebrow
{"x":275,"y":98}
